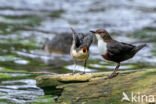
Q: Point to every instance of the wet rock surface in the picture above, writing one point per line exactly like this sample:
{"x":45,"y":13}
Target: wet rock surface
{"x":97,"y":90}
{"x":55,"y":80}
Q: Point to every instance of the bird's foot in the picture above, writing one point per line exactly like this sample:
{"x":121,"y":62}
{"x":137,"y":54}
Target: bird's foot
{"x":73,"y":73}
{"x":112,"y":75}
{"x":82,"y":73}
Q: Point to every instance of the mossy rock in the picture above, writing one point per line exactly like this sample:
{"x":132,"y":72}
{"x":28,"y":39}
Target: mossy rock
{"x":61,"y":79}
{"x":110,"y":91}
{"x":55,"y":80}
{"x":95,"y":89}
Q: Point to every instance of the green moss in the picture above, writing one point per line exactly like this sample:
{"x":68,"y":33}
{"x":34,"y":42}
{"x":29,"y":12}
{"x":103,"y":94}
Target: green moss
{"x":47,"y":99}
{"x":43,"y":65}
{"x":18,"y":44}
{"x":14,"y":76}
{"x":5,"y":76}
{"x":146,"y":33}
{"x":33,"y":21}
{"x":10,"y":26}
{"x":110,"y":91}
{"x":6,"y":101}
{"x":56,"y":14}
{"x":154,"y":49}
{"x":134,"y":82}
{"x":10,"y":70}
{"x":26,"y":20}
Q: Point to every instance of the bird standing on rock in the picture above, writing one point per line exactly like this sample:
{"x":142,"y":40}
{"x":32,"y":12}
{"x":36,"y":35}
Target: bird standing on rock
{"x":113,"y":50}
{"x":80,"y":48}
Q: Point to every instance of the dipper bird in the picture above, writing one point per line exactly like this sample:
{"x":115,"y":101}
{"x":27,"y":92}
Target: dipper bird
{"x":80,"y":48}
{"x":113,"y":50}
{"x":56,"y":45}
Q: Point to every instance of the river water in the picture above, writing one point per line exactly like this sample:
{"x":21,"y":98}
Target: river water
{"x":25,"y":25}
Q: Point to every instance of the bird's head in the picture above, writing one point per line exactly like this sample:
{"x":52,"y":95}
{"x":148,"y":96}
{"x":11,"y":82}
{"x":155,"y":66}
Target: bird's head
{"x":101,"y":34}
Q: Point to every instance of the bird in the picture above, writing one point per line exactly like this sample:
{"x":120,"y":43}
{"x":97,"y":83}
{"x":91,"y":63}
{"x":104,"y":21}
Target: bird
{"x":80,"y":48}
{"x":113,"y":50}
{"x":61,"y":44}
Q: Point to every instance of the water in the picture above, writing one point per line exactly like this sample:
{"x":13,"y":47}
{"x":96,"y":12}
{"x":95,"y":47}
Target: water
{"x":20,"y":90}
{"x":25,"y":25}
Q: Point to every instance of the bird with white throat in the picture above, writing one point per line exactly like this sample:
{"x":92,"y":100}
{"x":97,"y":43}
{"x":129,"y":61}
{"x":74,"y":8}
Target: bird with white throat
{"x":113,"y":50}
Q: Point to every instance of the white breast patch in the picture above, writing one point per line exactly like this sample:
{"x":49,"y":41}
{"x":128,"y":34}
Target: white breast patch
{"x":102,"y":47}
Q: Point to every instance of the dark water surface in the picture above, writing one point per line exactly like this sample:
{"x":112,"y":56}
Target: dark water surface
{"x":25,"y":25}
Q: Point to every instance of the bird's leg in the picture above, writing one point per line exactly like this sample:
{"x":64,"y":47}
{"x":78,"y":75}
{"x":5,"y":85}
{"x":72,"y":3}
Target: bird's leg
{"x":75,"y":63}
{"x":85,"y":63}
{"x":117,"y":67}
{"x":114,"y":74}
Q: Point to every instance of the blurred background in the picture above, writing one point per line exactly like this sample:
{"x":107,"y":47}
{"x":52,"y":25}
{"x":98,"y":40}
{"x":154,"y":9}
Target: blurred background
{"x":28,"y":26}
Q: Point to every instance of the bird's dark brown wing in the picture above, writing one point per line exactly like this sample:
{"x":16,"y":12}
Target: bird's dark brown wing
{"x":119,"y":51}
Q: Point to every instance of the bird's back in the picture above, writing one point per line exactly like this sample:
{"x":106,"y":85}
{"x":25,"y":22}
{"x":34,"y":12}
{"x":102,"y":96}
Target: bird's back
{"x":119,"y":51}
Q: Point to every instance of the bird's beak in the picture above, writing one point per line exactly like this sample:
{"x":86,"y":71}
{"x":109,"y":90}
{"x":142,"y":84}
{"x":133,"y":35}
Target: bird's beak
{"x":92,"y":31}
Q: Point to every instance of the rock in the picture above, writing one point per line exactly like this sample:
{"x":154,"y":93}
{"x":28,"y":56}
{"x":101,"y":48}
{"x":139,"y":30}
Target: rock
{"x":59,"y":79}
{"x":94,"y":89}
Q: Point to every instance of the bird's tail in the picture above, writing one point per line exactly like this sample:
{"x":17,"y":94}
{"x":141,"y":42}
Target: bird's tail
{"x":76,"y":40}
{"x":138,"y":48}
{"x":73,"y":30}
{"x":74,"y":34}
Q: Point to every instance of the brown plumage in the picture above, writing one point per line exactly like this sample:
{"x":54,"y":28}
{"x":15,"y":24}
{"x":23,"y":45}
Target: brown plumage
{"x":113,"y":50}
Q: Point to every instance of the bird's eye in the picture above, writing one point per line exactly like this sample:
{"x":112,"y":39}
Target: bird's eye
{"x":85,"y":49}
